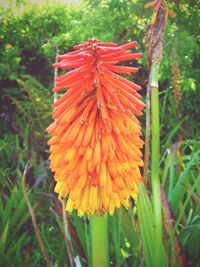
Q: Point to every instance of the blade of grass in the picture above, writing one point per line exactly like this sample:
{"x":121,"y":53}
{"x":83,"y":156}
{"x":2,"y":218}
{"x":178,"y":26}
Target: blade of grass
{"x":165,"y":171}
{"x":130,"y":230}
{"x":182,"y":210}
{"x":174,"y":249}
{"x":5,"y":260}
{"x":33,"y":218}
{"x":67,"y":235}
{"x":3,"y":238}
{"x":177,"y":194}
{"x":148,"y":231}
{"x":172,"y":174}
{"x":145,"y":214}
{"x":115,"y":230}
{"x":89,"y":256}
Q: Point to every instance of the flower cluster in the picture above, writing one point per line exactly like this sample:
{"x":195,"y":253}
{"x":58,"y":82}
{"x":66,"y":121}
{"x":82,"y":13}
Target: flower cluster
{"x":95,"y":143}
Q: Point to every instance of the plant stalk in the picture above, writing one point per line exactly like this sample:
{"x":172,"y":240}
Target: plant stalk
{"x":55,"y":96}
{"x":34,"y":221}
{"x":147,"y":136}
{"x":67,"y":235}
{"x":99,"y":240}
{"x":155,"y":157}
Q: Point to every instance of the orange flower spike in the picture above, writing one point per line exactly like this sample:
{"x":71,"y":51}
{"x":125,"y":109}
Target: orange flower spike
{"x":95,"y":144}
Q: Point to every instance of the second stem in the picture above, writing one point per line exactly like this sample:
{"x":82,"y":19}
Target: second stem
{"x":155,"y":156}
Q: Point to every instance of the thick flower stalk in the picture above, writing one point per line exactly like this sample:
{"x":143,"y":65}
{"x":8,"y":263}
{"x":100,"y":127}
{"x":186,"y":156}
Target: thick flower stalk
{"x":95,"y":144}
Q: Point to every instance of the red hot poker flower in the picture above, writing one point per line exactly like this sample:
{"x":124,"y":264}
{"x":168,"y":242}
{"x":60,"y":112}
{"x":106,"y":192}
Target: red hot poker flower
{"x":95,"y":143}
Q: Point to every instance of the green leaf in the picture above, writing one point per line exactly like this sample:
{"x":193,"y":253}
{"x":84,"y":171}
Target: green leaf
{"x":148,"y":231}
{"x":180,"y":188}
{"x":4,"y":237}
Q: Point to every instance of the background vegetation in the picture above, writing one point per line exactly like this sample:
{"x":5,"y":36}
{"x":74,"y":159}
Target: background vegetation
{"x":29,"y":34}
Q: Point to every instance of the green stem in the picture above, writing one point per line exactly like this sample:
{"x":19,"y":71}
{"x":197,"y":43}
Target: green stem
{"x":155,"y":155}
{"x":147,"y":135}
{"x":155,"y":126}
{"x":99,"y":238}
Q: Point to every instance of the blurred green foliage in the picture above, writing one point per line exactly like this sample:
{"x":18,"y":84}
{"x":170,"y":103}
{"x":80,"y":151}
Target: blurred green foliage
{"x":29,"y":35}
